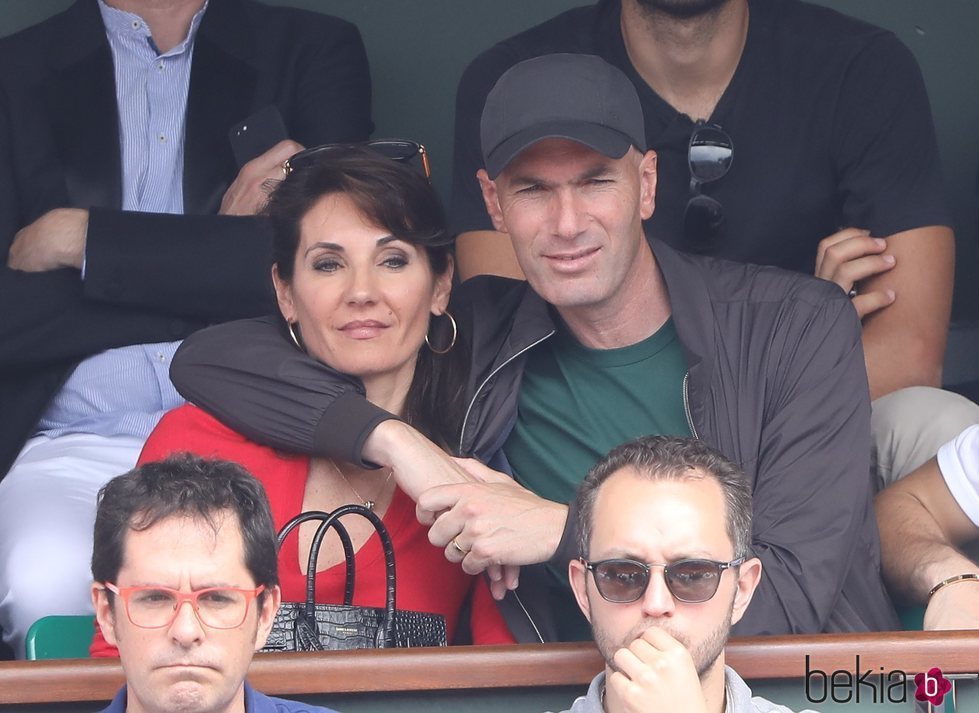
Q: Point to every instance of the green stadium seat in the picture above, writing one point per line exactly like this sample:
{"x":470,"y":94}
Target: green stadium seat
{"x":912,"y":618}
{"x":60,"y":637}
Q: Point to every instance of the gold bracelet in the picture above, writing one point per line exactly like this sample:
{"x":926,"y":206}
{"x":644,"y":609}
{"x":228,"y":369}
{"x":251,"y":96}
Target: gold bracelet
{"x":952,"y":580}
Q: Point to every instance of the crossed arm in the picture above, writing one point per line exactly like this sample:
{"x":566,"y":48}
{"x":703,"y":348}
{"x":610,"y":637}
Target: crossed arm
{"x":203,"y":267}
{"x":903,"y":296}
{"x":58,"y":238}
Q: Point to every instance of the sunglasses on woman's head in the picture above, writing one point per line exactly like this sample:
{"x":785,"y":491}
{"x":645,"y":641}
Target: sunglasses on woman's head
{"x":394,"y":149}
{"x":689,"y":580}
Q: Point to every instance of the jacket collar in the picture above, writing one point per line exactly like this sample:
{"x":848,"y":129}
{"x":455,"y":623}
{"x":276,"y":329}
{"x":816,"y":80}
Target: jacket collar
{"x":693,"y":317}
{"x":690,"y":304}
{"x":532,"y":322}
{"x":81,"y":100}
{"x":223,"y":80}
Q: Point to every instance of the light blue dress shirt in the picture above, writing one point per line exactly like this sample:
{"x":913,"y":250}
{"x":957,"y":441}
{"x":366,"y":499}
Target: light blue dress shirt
{"x":127,"y":390}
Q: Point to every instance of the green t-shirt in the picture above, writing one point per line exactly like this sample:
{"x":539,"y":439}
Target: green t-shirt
{"x":576,"y":404}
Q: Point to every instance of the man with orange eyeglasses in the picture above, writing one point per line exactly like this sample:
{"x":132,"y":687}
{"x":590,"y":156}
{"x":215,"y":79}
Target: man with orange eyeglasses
{"x":187,"y":531}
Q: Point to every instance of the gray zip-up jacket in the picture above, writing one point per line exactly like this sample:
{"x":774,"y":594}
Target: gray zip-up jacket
{"x":776,"y":382}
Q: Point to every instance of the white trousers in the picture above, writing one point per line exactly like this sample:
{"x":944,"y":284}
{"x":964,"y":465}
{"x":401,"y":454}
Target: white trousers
{"x":47,"y":511}
{"x":910,"y":425}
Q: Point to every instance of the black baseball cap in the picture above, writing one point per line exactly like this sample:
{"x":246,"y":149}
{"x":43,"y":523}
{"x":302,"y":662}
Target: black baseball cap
{"x":579,"y":97}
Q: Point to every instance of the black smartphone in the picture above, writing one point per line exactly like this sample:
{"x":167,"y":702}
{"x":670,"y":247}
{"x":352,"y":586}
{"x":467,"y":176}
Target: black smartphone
{"x":257,"y":134}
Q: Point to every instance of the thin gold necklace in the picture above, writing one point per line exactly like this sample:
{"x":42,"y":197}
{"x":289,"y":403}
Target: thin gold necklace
{"x":369,"y":504}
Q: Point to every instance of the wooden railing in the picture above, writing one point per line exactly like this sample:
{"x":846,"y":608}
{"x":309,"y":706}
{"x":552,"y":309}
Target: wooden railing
{"x":487,"y":667}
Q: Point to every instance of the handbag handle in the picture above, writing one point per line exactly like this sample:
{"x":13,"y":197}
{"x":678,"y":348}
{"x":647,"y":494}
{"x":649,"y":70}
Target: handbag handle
{"x":348,"y":551}
{"x":385,"y":634}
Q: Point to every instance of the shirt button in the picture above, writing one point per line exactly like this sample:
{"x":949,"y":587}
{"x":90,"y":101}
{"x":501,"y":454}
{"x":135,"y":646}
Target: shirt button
{"x":162,"y":357}
{"x":135,"y":24}
{"x":161,"y":138}
{"x":160,"y":66}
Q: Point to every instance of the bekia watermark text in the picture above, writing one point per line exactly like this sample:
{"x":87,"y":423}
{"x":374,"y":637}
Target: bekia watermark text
{"x":872,"y":686}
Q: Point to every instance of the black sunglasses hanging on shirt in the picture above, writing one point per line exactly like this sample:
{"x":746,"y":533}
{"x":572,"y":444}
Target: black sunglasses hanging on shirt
{"x":709,"y":155}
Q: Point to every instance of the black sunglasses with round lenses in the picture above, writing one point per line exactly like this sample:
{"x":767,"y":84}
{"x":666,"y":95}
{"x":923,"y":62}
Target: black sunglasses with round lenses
{"x":689,"y":580}
{"x":395,"y":149}
{"x":709,"y":155}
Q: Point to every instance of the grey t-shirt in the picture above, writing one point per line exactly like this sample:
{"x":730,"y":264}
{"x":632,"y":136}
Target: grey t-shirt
{"x":738,"y":695}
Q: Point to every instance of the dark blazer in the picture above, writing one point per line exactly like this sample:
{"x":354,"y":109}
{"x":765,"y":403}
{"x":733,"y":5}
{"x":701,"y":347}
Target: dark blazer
{"x":149,"y":277}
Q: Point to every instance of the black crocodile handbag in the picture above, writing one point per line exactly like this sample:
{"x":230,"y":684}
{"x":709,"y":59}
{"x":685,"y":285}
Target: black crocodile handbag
{"x":308,"y":626}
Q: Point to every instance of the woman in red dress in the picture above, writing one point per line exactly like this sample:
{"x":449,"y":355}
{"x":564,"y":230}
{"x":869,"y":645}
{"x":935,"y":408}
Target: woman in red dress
{"x":362,"y":272}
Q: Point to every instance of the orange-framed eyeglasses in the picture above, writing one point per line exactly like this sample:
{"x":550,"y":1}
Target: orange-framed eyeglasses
{"x":154,"y":607}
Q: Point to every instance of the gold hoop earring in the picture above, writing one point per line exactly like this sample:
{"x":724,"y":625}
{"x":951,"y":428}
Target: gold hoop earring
{"x":295,"y":337}
{"x":452,"y":343}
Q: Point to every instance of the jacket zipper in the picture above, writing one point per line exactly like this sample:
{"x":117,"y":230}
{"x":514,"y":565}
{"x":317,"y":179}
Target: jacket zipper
{"x":465,"y":420}
{"x":462,"y":438}
{"x":540,"y":638}
{"x":686,"y":406}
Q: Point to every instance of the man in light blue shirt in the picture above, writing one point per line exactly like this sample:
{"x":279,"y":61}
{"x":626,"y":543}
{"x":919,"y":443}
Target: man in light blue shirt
{"x":127,"y":225}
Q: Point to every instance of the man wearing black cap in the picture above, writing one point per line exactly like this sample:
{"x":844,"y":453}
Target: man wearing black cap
{"x":612,"y":337}
{"x":833,"y":170}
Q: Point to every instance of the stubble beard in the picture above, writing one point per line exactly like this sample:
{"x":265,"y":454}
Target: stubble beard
{"x":704,"y":653}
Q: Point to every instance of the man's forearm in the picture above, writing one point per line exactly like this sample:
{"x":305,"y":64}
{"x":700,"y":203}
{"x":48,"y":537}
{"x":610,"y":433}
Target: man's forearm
{"x":45,"y":321}
{"x":812,"y":526}
{"x":251,"y":378}
{"x":918,"y":549}
{"x":915,"y":556}
{"x":213,"y":268}
{"x":904,"y":343}
{"x":922,"y":567}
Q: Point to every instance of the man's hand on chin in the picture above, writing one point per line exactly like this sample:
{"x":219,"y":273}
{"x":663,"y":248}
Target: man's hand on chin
{"x":654,"y":672}
{"x":53,"y":241}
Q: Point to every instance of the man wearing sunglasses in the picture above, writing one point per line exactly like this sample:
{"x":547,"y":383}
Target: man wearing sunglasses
{"x":830,"y":167}
{"x":612,"y":337}
{"x":185,"y":567}
{"x":125,"y":224}
{"x":664,"y":532}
